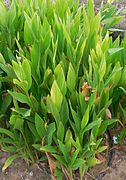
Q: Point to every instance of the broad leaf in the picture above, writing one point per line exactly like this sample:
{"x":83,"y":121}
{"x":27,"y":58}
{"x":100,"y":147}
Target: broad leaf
{"x":56,"y":95}
{"x":40,"y":126}
{"x":85,"y":119}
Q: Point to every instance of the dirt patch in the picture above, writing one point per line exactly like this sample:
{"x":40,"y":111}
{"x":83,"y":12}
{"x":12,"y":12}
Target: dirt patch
{"x":116,"y":171}
{"x":19,"y":170}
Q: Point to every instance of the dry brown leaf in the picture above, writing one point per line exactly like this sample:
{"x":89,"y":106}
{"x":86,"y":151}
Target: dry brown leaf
{"x":86,"y":98}
{"x":121,"y":148}
{"x":52,"y":165}
{"x":85,"y":89}
{"x":97,"y":99}
{"x":65,"y":172}
{"x":4,"y":95}
{"x":108,"y":114}
{"x":101,"y":157}
{"x":106,"y":143}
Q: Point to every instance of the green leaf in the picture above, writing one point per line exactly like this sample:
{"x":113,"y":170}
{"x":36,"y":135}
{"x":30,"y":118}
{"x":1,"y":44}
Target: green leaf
{"x":60,"y":159}
{"x":6,"y":79}
{"x":49,"y":148}
{"x":42,"y":159}
{"x":35,"y":26}
{"x":60,"y":78}
{"x":60,"y":131}
{"x":51,"y":108}
{"x":17,"y":122}
{"x":28,"y":36}
{"x":91,"y":125}
{"x":67,"y":35}
{"x":9,"y":161}
{"x":22,"y":111}
{"x":20,"y":97}
{"x":114,"y":50}
{"x":74,"y":157}
{"x":7,"y":132}
{"x":64,"y":112}
{"x":34,"y":131}
{"x":37,"y":146}
{"x":18,"y":70}
{"x":23,"y":85}
{"x":92,"y":162}
{"x":101,"y":149}
{"x":58,"y":174}
{"x":35,"y":54}
{"x":116,"y":30}
{"x":2,"y":61}
{"x":116,"y":75}
{"x":11,"y":54}
{"x":40,"y":126}
{"x":27,"y":70}
{"x":78,"y":163}
{"x":121,"y":135}
{"x":86,"y":25}
{"x":90,"y":10}
{"x":7,"y":141}
{"x":34,"y":104}
{"x":50,"y":131}
{"x":102,"y":68}
{"x":3,"y":15}
{"x":85,"y":119}
{"x":82,"y":103}
{"x":92,"y":100}
{"x":6,"y":103}
{"x":7,"y":68}
{"x":64,"y":151}
{"x":12,"y":14}
{"x":56,"y":95}
{"x":43,"y":108}
{"x":76,"y":118}
{"x":68,"y":139}
{"x":71,"y":78}
{"x":105,"y":125}
{"x":27,"y":113}
{"x":11,"y":149}
{"x":123,"y":89}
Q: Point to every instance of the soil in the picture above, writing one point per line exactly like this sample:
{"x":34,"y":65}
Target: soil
{"x":116,"y":171}
{"x":19,"y":170}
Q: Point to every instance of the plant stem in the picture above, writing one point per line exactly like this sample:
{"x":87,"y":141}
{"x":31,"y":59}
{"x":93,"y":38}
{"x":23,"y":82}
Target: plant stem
{"x":29,"y":152}
{"x":71,"y":174}
{"x":82,"y":172}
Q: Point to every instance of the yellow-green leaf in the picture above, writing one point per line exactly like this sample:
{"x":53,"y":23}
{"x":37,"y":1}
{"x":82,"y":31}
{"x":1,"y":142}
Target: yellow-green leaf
{"x":85,"y":119}
{"x":9,"y":161}
{"x":56,"y":95}
{"x":71,"y":78}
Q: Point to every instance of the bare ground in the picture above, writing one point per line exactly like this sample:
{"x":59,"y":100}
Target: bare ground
{"x":116,"y":170}
{"x":19,"y":170}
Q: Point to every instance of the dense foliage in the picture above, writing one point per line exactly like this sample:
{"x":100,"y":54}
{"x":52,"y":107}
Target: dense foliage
{"x":63,"y":82}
